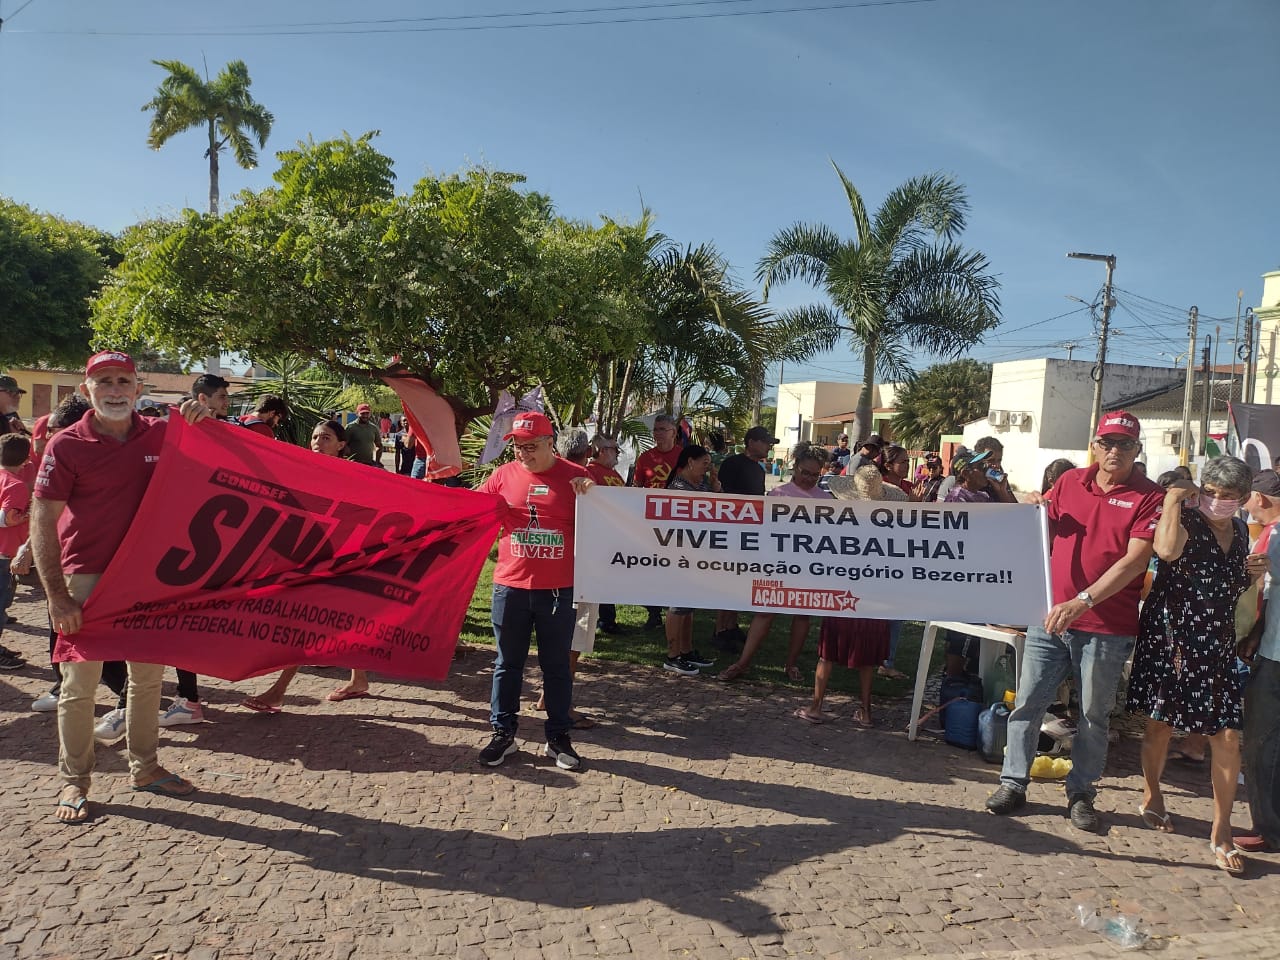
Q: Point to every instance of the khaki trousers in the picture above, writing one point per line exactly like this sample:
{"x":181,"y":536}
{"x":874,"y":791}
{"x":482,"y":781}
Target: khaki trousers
{"x":76,"y":703}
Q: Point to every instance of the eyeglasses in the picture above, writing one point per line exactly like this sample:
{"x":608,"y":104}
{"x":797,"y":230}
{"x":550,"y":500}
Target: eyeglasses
{"x":1111,"y":443}
{"x":812,"y":474}
{"x":527,"y":447}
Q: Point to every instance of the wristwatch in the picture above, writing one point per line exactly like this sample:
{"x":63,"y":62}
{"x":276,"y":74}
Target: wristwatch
{"x":1086,"y":597}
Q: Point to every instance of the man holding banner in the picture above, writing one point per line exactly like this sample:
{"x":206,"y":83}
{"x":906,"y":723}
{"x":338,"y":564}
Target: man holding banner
{"x":91,"y":482}
{"x":533,"y":587}
{"x":1102,"y":523}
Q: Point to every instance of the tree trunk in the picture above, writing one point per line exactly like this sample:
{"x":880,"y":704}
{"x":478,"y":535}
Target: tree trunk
{"x":863,"y":410}
{"x":757,"y":395}
{"x":213,"y":169}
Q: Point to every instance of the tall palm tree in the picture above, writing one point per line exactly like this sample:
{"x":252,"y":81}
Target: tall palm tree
{"x":222,"y":105}
{"x":901,"y":284}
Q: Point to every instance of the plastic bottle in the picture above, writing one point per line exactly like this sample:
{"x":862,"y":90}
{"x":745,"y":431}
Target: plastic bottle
{"x":1121,"y":930}
{"x":1001,"y":677}
{"x":993,"y":732}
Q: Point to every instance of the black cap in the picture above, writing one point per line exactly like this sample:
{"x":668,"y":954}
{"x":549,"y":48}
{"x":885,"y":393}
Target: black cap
{"x":1267,"y":483}
{"x":760,"y":433}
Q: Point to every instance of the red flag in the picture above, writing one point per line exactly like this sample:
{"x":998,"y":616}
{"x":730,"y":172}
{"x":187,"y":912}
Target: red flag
{"x":248,"y":555}
{"x":433,"y":425}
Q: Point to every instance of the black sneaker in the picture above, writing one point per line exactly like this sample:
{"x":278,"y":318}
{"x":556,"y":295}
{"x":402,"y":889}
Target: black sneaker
{"x":1006,"y":800}
{"x":17,"y":663}
{"x":654,"y":622}
{"x":1083,"y":816}
{"x":681,"y":666}
{"x":698,"y":659}
{"x":609,"y":628}
{"x":739,"y":637}
{"x":499,"y":748}
{"x":561,"y":750}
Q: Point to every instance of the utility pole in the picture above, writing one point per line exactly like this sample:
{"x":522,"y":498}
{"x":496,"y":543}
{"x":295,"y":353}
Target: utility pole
{"x":1107,"y":303}
{"x":1245,"y":352}
{"x":1208,"y":397}
{"x":1069,"y":347}
{"x":1184,"y":442}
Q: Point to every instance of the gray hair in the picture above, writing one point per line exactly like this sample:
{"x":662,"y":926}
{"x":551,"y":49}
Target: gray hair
{"x":664,"y":418}
{"x":807,"y":450}
{"x":573,"y":445}
{"x":1228,"y":473}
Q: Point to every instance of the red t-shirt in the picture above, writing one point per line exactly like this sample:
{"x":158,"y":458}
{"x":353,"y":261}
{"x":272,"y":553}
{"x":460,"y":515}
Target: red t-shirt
{"x":536,"y":548}
{"x":14,"y":495}
{"x":1089,"y":531}
{"x":605,"y":476}
{"x":653,"y":467}
{"x":252,"y":422}
{"x":101,"y":480}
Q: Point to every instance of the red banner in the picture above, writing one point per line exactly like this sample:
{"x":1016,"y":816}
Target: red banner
{"x":433,"y":425}
{"x":248,"y":555}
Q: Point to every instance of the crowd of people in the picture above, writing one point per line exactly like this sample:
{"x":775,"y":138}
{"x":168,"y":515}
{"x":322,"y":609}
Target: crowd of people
{"x":1196,"y":668}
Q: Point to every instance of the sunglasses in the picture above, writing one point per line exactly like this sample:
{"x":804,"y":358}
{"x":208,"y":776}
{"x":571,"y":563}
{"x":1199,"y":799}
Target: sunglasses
{"x":1110,"y":443}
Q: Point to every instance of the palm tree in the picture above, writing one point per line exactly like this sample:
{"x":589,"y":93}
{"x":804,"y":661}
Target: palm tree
{"x":939,"y":401}
{"x":901,"y":284}
{"x":223,"y":105}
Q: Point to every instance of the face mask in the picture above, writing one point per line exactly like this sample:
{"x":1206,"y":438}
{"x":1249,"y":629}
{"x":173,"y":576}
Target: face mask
{"x":1218,"y":509}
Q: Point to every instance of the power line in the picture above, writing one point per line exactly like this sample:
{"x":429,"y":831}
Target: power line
{"x":294,"y":31}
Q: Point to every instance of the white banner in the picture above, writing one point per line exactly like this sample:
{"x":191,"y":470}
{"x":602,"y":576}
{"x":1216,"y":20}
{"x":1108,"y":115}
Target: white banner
{"x":973,"y":563}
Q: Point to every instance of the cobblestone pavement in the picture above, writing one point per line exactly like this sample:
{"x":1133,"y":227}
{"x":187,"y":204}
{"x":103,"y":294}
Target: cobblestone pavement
{"x":707,"y":823}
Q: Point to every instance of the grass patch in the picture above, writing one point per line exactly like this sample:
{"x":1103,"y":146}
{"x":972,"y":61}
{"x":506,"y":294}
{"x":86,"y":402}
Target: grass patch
{"x":649,"y":647}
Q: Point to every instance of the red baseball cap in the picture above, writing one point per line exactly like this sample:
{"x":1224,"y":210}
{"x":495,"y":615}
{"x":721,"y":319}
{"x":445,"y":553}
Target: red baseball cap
{"x":527,"y":426}
{"x":1118,"y":422}
{"x":109,"y":358}
{"x":363,"y":408}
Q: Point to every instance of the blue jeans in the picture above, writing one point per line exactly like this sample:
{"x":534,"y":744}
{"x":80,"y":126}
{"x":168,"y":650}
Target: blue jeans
{"x":1262,"y":747}
{"x":419,"y":469}
{"x":517,"y":614}
{"x":895,"y":633}
{"x":1098,"y":660}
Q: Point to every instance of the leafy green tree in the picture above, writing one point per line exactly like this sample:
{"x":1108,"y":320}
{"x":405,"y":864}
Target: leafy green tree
{"x":467,"y":282}
{"x":900,"y":285}
{"x":49,"y":270}
{"x":223,"y":106}
{"x":939,"y":401}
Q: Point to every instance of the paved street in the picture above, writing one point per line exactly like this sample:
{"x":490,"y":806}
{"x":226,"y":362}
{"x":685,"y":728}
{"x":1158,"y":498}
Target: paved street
{"x":707,"y":823}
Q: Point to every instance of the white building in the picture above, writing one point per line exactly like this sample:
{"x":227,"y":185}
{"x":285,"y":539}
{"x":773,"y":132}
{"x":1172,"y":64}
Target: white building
{"x":1268,"y":312}
{"x":1040,"y":411}
{"x":821,"y":410}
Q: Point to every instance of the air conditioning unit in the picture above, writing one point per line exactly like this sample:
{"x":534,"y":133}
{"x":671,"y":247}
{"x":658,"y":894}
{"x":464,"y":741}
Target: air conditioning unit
{"x":1017,"y":418}
{"x":998,"y":418}
{"x":1171,"y":438}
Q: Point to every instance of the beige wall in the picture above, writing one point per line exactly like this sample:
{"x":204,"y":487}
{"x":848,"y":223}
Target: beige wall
{"x":1268,"y":311}
{"x":45,"y":388}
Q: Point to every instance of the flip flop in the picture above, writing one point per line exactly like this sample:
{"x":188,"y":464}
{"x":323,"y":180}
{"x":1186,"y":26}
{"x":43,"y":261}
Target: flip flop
{"x":731,"y":673}
{"x":343,"y":693}
{"x":892,"y":674}
{"x":585,"y":721}
{"x":258,"y":706}
{"x":1156,"y":821}
{"x":80,"y":806}
{"x":170,"y":786}
{"x":1223,"y":857}
{"x":806,"y":718}
{"x":1177,"y":756}
{"x":861,"y":719}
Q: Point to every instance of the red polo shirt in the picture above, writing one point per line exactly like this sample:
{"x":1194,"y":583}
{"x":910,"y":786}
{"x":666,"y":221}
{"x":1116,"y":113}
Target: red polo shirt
{"x":101,"y":480}
{"x":653,"y":467}
{"x":1089,"y":531}
{"x":536,"y":549}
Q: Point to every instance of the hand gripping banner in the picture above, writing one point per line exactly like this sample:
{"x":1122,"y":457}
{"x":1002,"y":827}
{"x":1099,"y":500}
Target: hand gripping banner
{"x":248,"y":555}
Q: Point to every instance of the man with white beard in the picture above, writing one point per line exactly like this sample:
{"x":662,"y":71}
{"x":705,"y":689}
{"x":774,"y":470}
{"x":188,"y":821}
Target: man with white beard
{"x":90,"y":485}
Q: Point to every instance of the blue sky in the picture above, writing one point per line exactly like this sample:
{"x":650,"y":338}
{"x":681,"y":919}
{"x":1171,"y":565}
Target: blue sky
{"x":1143,"y":128}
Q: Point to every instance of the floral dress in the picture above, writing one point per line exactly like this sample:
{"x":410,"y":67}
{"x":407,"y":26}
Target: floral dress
{"x":1185,"y":671}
